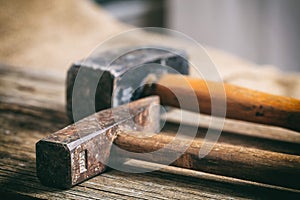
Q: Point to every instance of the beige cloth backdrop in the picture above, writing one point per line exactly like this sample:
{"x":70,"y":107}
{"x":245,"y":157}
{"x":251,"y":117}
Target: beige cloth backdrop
{"x":48,"y":35}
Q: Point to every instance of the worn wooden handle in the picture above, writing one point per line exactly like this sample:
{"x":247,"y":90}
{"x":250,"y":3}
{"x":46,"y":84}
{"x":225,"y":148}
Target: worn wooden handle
{"x":224,"y":159}
{"x":242,"y":103}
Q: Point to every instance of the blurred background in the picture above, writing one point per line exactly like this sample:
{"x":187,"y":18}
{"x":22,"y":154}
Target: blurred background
{"x":263,"y":31}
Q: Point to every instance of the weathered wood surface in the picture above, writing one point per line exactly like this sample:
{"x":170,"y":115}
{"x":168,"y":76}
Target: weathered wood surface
{"x":32,"y":106}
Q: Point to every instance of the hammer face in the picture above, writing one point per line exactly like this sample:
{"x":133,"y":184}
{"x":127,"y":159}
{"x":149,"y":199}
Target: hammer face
{"x":81,"y":150}
{"x":96,"y":83}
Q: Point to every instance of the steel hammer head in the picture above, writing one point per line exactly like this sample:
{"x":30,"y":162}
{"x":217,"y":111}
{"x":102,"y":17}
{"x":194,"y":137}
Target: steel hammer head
{"x":81,"y":150}
{"x":111,"y":78}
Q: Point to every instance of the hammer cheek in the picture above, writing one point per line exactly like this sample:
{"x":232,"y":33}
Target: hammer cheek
{"x":63,"y":165}
{"x":89,"y":158}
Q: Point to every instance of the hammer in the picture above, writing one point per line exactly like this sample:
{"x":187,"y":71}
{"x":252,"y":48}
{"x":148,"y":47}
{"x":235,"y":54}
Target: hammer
{"x":123,"y":81}
{"x":83,"y":150}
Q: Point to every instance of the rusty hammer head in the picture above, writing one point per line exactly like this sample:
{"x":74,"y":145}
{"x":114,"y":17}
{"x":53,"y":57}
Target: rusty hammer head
{"x":81,"y":150}
{"x":112,"y":78}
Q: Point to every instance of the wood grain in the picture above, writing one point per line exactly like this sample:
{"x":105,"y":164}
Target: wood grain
{"x":241,"y":103}
{"x":249,"y":163}
{"x":26,"y":116}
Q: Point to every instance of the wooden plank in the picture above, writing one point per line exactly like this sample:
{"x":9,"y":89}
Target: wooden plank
{"x":32,"y":88}
{"x":27,"y":115}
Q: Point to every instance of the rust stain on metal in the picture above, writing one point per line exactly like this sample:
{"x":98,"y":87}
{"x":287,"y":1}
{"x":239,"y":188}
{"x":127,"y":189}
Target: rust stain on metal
{"x":109,"y":88}
{"x":81,"y":150}
{"x":141,"y":118}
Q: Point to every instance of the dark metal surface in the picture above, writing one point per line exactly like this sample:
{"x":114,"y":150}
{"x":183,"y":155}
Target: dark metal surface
{"x":80,"y":151}
{"x":98,"y":82}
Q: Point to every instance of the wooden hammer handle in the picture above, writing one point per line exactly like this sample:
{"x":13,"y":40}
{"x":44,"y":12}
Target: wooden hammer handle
{"x":242,"y":103}
{"x":224,"y":159}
